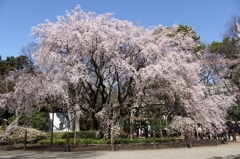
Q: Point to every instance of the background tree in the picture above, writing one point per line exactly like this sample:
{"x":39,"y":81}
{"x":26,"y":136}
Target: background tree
{"x":222,"y":61}
{"x":175,"y":76}
{"x":232,"y":45}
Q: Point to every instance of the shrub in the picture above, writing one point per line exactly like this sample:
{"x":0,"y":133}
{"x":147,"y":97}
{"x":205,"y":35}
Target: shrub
{"x":18,"y":135}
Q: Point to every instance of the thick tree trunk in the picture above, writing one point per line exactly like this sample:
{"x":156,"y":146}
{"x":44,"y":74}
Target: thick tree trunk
{"x":160,"y":125}
{"x":77,"y":121}
{"x":16,"y":120}
{"x":70,"y":123}
{"x":95,"y":122}
{"x":76,"y":125}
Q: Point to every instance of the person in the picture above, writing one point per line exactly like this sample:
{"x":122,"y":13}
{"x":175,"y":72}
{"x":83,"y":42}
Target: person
{"x":149,"y":129}
{"x":195,"y":132}
{"x":208,"y":133}
{"x":142,"y":132}
{"x":200,"y":132}
{"x":146,"y":131}
{"x":138,"y":131}
{"x":229,"y":133}
{"x":101,"y":133}
{"x":233,"y":131}
{"x":224,"y":135}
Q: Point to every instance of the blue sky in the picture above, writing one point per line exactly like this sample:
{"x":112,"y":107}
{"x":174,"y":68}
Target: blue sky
{"x":207,"y":17}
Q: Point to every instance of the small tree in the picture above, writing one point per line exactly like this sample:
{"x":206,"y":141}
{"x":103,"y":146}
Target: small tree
{"x":23,"y":99}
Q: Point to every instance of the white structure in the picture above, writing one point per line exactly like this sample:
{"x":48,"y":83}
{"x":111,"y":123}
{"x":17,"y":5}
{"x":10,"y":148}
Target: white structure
{"x":60,"y":122}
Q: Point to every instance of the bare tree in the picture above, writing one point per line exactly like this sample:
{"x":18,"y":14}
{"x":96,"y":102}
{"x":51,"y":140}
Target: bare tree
{"x":232,"y":28}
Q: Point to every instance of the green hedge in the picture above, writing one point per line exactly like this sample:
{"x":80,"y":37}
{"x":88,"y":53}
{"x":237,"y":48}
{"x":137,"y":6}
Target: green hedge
{"x":55,"y":142}
{"x":81,"y":141}
{"x":144,"y":140}
{"x":71,"y":141}
{"x":80,"y":134}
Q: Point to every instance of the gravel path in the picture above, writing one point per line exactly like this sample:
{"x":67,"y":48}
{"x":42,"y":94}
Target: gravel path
{"x":223,"y":151}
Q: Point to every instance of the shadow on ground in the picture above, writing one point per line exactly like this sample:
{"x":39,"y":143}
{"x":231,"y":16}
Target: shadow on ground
{"x":47,"y":154}
{"x":227,"y":157}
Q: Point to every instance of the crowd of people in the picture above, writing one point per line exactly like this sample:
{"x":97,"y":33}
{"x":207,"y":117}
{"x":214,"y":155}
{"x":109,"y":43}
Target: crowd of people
{"x":224,"y":134}
{"x":143,"y":131}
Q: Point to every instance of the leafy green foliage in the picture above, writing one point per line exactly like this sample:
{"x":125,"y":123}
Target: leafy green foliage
{"x":187,"y":29}
{"x":198,"y":48}
{"x":183,"y":28}
{"x":38,"y":120}
{"x":228,"y":47}
{"x":214,"y":46}
{"x":12,"y":64}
